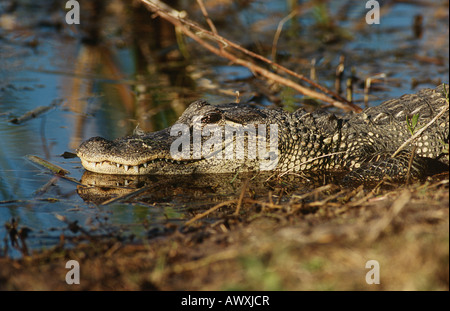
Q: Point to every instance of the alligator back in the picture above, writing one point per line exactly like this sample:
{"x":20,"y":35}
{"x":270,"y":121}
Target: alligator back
{"x":387,"y":126}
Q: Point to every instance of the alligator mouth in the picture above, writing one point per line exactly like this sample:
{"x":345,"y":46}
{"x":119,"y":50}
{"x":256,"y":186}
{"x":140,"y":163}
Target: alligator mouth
{"x":148,"y":167}
{"x":134,"y":155}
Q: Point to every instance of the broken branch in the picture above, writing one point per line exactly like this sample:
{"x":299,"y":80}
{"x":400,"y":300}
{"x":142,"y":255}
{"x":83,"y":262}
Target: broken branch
{"x":178,"y":20}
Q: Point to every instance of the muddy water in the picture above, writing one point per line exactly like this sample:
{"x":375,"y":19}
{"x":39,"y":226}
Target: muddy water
{"x":119,"y":68}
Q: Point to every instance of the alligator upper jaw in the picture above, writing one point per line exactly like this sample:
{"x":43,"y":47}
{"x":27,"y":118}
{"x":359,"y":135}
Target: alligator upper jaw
{"x":133,"y":155}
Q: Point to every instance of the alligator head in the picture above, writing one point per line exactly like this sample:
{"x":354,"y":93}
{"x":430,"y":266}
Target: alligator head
{"x":199,"y":142}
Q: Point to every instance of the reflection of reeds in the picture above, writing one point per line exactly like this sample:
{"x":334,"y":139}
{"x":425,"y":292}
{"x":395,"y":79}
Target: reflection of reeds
{"x":98,"y":60}
{"x":96,"y":67}
{"x":17,"y":237}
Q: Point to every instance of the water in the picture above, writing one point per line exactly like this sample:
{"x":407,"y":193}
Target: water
{"x":107,"y":90}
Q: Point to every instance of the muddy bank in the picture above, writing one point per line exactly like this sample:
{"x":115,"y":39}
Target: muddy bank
{"x":319,"y":242}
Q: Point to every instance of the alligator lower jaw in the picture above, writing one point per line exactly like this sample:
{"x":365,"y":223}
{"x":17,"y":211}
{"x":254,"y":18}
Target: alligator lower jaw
{"x":149,"y":167}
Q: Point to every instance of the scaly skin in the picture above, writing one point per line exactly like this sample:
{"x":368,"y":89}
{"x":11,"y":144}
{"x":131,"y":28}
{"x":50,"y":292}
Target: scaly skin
{"x":361,"y":143}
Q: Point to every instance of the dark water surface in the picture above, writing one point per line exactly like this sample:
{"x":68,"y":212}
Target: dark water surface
{"x":121,"y":68}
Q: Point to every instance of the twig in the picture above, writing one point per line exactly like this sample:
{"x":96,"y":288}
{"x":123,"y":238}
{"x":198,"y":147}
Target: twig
{"x":177,"y":20}
{"x":313,"y":192}
{"x":126,"y":196}
{"x":50,"y":166}
{"x":419,"y":132}
{"x":35,"y":112}
{"x":327,"y":199}
{"x":264,"y":204}
{"x":411,"y":158}
{"x":377,"y":229}
{"x":278,"y":32}
{"x":367,"y":84}
{"x":312,"y":71}
{"x":270,"y":75}
{"x":212,"y":209}
{"x":205,"y":14}
{"x":339,"y":73}
{"x":263,"y":59}
{"x":227,"y":254}
{"x":241,"y":197}
{"x":47,"y":186}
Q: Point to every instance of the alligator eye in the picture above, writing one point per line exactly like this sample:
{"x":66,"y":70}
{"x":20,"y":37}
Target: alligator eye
{"x":212,"y":117}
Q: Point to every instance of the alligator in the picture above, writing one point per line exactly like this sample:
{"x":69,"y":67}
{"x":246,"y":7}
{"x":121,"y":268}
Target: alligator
{"x":363,"y":144}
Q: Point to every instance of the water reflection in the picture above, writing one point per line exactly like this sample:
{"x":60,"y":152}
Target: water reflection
{"x":105,"y":189}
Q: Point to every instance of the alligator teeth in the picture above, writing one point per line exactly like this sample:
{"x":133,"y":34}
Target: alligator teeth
{"x":126,"y":168}
{"x":118,"y":165}
{"x":136,"y":168}
{"x":94,"y":164}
